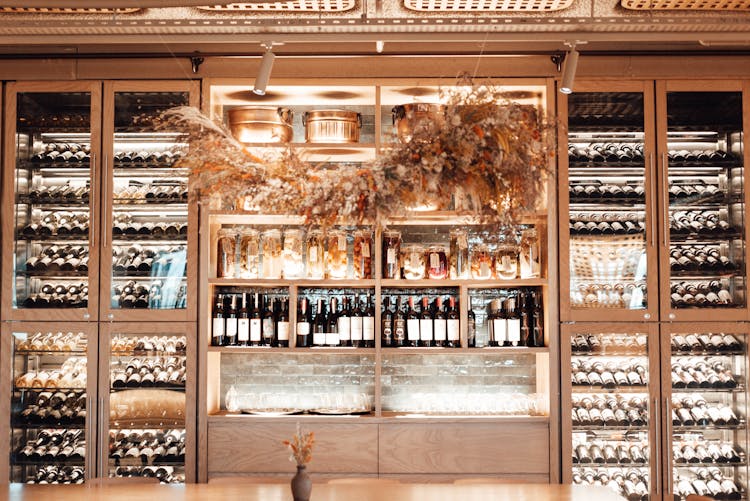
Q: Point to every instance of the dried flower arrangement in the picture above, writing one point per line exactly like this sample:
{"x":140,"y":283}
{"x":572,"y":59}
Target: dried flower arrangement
{"x":493,"y":152}
{"x":300,"y":446}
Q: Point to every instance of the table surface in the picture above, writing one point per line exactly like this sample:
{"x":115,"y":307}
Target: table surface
{"x":361,"y":491}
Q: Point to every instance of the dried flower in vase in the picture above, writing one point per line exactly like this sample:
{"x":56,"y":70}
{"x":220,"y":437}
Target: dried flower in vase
{"x":301,"y":446}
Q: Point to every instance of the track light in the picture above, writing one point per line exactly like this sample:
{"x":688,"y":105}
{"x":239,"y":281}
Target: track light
{"x":264,"y":73}
{"x":569,"y":71}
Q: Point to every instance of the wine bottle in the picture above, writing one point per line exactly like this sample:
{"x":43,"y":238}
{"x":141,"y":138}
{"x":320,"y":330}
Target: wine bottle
{"x":412,"y":324}
{"x":218,"y":323}
{"x":399,"y":325}
{"x":453,"y":324}
{"x":368,"y":324}
{"x":440,"y":324}
{"x":513,"y":320}
{"x":471,"y":329}
{"x":319,"y":324}
{"x":230,"y":329}
{"x":356,"y":323}
{"x":332,"y":325}
{"x":304,"y":323}
{"x":256,"y":326}
{"x":344,"y":323}
{"x":282,"y":325}
{"x":243,"y":323}
{"x":268,"y":329}
{"x":386,"y":324}
{"x":498,"y":324}
{"x":426,"y":336}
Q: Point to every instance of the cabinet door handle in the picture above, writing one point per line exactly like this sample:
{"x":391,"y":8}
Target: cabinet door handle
{"x":654,"y":208}
{"x":665,"y":179}
{"x":657,"y":448}
{"x":670,"y":473}
{"x":105,"y":203}
{"x":92,"y":226}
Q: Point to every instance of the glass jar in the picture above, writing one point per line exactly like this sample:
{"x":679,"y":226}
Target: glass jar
{"x":437,"y":262}
{"x":481,"y":262}
{"x":529,"y":255}
{"x":459,"y":254}
{"x":315,"y":255}
{"x":413,"y":261}
{"x":506,"y":262}
{"x":362,"y":254}
{"x":249,"y":253}
{"x":292,"y":262}
{"x":271,"y":242}
{"x":337,"y":258}
{"x":225,"y":249}
{"x":391,"y":253}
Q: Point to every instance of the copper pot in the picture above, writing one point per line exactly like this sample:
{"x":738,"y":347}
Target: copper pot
{"x":261,"y":124}
{"x":407,"y":117}
{"x":332,"y":126}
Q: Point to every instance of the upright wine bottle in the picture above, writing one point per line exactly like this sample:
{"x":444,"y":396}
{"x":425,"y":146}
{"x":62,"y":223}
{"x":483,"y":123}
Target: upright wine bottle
{"x":230,"y":332}
{"x":440,"y":324}
{"x":426,"y":336}
{"x":344,"y":323}
{"x":513,"y":319}
{"x":386,"y":324}
{"x":303,"y":324}
{"x":356,"y":323}
{"x":471,"y":329}
{"x":399,"y":325}
{"x":319,"y":324}
{"x":498,"y":325}
{"x":537,"y":317}
{"x":218,"y":322}
{"x":368,"y":324}
{"x":412,"y":324}
{"x":256,"y":326}
{"x":282,"y":325}
{"x":268,"y":329}
{"x":452,"y":324}
{"x":332,"y":324}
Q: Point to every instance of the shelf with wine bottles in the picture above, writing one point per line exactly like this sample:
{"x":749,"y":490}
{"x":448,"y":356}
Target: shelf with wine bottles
{"x":248,"y":350}
{"x":142,"y":423}
{"x":74,"y":237}
{"x":51,"y":425}
{"x":641,"y":389}
{"x":300,"y":282}
{"x":603,"y":430}
{"x":469,"y":283}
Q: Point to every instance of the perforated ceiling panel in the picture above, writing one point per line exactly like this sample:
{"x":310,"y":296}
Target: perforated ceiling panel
{"x":286,"y":6}
{"x":714,"y":5}
{"x":487,"y":5}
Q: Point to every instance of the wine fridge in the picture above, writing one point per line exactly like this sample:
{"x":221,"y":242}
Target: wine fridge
{"x":657,"y":412}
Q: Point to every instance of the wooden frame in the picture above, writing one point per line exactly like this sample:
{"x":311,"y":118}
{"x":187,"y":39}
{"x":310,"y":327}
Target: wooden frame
{"x":116,"y":314}
{"x":662,"y":89}
{"x":105,"y":336}
{"x":654,"y":426}
{"x":567,"y":311}
{"x":7,"y":384}
{"x":12,"y":89}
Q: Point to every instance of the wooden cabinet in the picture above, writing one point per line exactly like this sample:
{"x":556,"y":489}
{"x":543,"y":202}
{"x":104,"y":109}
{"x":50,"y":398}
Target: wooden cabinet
{"x":443,"y":401}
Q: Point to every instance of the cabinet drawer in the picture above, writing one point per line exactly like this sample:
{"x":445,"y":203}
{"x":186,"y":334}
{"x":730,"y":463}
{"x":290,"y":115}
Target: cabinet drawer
{"x":513,"y":448}
{"x":238,"y":446}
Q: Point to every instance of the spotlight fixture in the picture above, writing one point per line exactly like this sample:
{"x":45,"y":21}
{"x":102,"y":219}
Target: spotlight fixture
{"x":379,"y":46}
{"x":264,"y":73}
{"x":569,"y":71}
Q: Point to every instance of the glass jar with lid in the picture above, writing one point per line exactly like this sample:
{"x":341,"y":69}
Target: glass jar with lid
{"x":459,"y":254}
{"x":249,"y":253}
{"x":413,"y":261}
{"x":293,"y":265}
{"x":362,"y":254}
{"x":225,"y":253}
{"x":437,"y":262}
{"x":481,"y":262}
{"x":506,"y":262}
{"x":315,"y":254}
{"x":271,"y":246}
{"x":337,"y":258}
{"x":529,"y":257}
{"x":391,"y":253}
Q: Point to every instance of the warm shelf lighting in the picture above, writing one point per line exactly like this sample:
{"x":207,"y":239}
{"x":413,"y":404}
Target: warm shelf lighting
{"x":264,"y":73}
{"x":569,"y":71}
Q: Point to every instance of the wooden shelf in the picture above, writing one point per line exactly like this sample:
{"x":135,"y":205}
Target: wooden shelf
{"x":505,"y":350}
{"x":473,"y":284}
{"x":251,"y":350}
{"x":299,"y":282}
{"x":386,"y":417}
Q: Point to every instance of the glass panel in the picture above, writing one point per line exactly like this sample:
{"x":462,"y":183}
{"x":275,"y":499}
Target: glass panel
{"x":149,"y":230}
{"x":611,"y":412}
{"x":147,"y":406}
{"x":48,"y":407}
{"x":706,"y":199}
{"x":52,"y":182}
{"x":709,"y":414}
{"x":607,"y":201}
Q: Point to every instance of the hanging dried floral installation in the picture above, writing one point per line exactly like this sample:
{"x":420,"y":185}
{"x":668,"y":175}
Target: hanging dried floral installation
{"x":487,"y":158}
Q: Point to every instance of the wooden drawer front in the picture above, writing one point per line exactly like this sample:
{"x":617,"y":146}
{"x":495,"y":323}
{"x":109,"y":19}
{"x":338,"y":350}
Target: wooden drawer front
{"x":513,"y":448}
{"x":237,"y":447}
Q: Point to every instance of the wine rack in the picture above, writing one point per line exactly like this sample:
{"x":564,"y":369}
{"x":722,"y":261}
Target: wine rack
{"x":49,"y":407}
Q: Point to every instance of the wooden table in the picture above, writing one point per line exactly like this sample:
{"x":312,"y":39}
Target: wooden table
{"x":364,"y":491}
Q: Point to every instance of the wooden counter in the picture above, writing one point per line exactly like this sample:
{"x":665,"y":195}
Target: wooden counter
{"x":364,"y":491}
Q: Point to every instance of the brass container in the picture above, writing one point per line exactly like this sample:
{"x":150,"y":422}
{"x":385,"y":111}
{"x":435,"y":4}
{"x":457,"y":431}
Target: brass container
{"x":261,"y":124}
{"x":407,"y":117}
{"x":332,"y":126}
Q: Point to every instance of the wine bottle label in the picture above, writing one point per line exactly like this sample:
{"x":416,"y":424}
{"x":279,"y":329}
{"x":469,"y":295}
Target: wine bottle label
{"x":344,"y":324}
{"x":514,"y":330}
{"x":441,"y":330}
{"x":255,"y":329}
{"x":319,"y":338}
{"x":231,"y":327}
{"x":391,"y":256}
{"x":303,"y":329}
{"x":368,"y":328}
{"x":356,"y":328}
{"x":365,"y":249}
{"x":399,"y":329}
{"x":452,"y":328}
{"x":267,"y":328}
{"x":218,"y":327}
{"x":332,"y":338}
{"x":283,"y":331}
{"x":500,"y":329}
{"x":425,"y":329}
{"x":412,"y":329}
